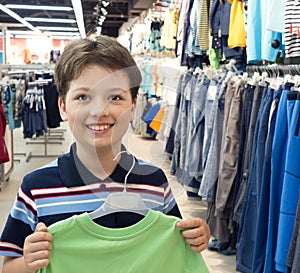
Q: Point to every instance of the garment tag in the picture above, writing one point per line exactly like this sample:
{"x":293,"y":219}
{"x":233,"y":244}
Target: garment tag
{"x":211,"y":92}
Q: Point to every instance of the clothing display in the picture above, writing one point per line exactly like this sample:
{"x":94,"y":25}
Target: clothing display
{"x":153,"y":244}
{"x":12,"y":96}
{"x":219,"y":96}
{"x":236,"y":125}
{"x":34,"y":112}
{"x":52,"y":112}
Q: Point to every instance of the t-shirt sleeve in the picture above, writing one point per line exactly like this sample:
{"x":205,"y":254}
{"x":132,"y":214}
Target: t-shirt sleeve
{"x":20,"y":223}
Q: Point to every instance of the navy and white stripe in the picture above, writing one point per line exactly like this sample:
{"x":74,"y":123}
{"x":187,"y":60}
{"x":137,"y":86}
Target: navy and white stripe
{"x":58,"y":191}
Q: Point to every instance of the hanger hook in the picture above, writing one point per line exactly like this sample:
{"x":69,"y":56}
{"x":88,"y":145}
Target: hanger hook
{"x":131,"y":168}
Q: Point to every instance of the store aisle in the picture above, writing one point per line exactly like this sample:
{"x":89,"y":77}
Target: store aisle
{"x":143,"y":147}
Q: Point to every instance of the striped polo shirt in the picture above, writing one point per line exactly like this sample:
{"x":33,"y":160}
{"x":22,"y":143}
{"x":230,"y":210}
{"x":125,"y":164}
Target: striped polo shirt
{"x":64,"y":188}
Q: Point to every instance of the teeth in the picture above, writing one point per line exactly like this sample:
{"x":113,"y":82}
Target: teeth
{"x":98,"y":127}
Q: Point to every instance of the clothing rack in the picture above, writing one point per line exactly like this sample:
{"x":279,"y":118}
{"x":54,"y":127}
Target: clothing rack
{"x":50,"y":135}
{"x":46,"y":139}
{"x":274,"y":70}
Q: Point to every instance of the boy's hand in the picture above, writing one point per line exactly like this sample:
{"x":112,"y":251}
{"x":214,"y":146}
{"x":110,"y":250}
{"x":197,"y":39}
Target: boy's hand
{"x":37,"y":247}
{"x":197,"y":233}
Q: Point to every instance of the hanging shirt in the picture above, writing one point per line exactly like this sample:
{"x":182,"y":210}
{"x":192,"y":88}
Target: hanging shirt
{"x":292,"y":28}
{"x":157,"y":120}
{"x":237,"y":33}
{"x":275,"y":18}
{"x":203,"y":27}
{"x":4,"y":157}
{"x":259,"y":38}
{"x":148,"y":80}
{"x":10,"y":101}
{"x":152,"y":245}
{"x":169,"y":29}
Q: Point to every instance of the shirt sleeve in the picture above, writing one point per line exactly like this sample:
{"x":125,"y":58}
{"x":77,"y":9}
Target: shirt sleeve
{"x":20,"y":223}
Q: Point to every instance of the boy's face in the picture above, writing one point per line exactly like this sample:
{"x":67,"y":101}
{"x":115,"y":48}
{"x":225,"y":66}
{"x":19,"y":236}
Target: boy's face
{"x":98,"y":107}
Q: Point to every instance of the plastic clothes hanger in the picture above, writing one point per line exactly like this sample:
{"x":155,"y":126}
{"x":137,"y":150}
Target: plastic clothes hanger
{"x":121,"y":201}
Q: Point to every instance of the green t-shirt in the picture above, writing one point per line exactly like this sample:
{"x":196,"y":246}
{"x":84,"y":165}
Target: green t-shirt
{"x":153,"y":244}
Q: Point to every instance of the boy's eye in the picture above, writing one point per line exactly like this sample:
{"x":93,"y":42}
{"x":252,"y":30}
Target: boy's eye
{"x":114,"y":98}
{"x":83,"y":98}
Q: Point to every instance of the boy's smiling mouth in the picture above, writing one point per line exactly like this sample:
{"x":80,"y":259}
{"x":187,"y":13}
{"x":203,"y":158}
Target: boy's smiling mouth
{"x":99,"y":127}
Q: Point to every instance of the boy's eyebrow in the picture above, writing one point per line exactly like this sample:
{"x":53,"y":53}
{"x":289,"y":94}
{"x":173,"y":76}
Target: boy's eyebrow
{"x":80,"y":88}
{"x":111,"y":89}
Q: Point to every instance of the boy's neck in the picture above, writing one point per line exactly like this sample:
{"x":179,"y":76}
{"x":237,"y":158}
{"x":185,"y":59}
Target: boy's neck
{"x":100,"y":163}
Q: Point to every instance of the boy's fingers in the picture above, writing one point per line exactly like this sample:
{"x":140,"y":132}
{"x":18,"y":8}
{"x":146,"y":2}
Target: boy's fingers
{"x":189,"y":223}
{"x":41,"y":227}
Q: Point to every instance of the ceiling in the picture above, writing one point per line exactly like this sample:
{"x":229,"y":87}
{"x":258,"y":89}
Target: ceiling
{"x":118,"y":12}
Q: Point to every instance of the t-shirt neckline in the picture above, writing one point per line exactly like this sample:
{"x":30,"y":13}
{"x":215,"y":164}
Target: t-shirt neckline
{"x":96,"y":230}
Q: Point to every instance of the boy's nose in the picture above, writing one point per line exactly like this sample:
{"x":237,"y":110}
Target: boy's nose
{"x":99,"y":109}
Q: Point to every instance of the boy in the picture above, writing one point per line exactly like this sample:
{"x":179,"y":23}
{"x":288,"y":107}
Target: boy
{"x":97,"y":81}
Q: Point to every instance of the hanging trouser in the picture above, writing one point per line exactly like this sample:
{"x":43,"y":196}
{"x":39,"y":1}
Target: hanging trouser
{"x":291,"y":182}
{"x":240,"y":196}
{"x":193,"y":160}
{"x":293,"y":259}
{"x":247,"y":228}
{"x":169,"y":148}
{"x":211,"y":168}
{"x":234,"y":99}
{"x":264,"y":198}
{"x":277,"y":169}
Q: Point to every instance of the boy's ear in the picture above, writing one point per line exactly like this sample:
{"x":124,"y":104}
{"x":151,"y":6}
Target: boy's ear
{"x":62,"y":109}
{"x":133,"y":107}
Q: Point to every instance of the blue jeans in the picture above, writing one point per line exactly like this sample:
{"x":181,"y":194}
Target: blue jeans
{"x":193,"y":162}
{"x":176,"y":124}
{"x":192,"y":173}
{"x":209,"y":114}
{"x":211,"y":167}
{"x":248,"y":225}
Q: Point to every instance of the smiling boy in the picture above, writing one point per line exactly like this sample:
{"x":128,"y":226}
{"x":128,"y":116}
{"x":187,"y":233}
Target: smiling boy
{"x":97,"y":81}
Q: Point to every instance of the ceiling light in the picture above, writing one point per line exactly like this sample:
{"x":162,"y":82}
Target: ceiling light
{"x":18,"y":18}
{"x":66,"y":37}
{"x":50,"y":20}
{"x":57,"y":28}
{"x":38,"y":7}
{"x":64,"y":33}
{"x":22,"y":32}
{"x":79,"y":17}
{"x":53,"y":37}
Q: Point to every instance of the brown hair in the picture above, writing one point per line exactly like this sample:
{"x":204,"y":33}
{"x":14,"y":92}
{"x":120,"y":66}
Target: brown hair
{"x":99,"y":50}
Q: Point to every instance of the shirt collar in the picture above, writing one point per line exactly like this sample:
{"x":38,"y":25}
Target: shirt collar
{"x":74,"y":173}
